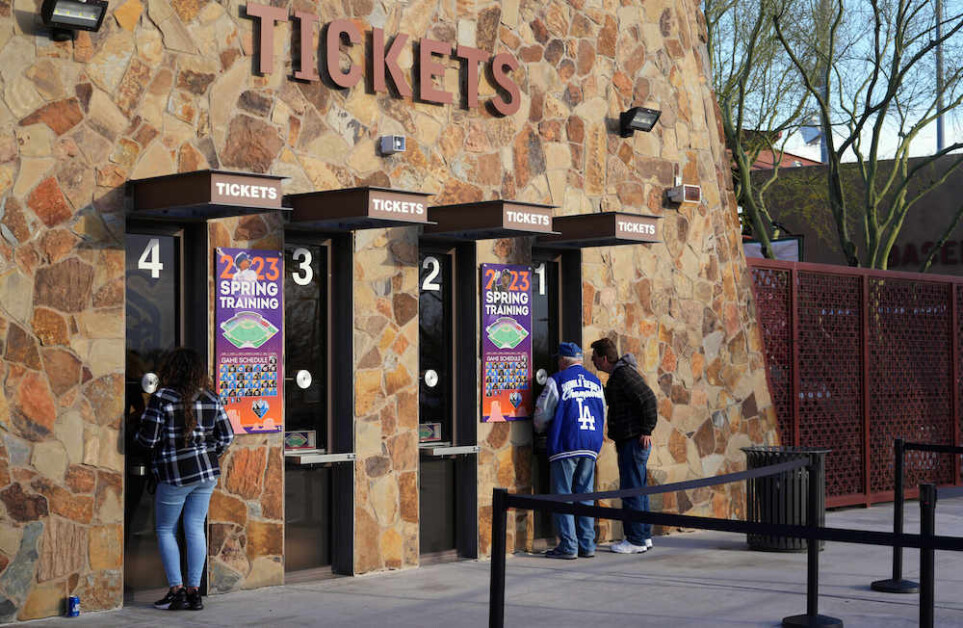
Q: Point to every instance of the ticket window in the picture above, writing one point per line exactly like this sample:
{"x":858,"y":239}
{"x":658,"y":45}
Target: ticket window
{"x":447,"y":407}
{"x":307,"y":486}
{"x":436,"y":349}
{"x":157,"y":287}
{"x":556,"y":316}
{"x":318,"y":392}
{"x":546,"y":318}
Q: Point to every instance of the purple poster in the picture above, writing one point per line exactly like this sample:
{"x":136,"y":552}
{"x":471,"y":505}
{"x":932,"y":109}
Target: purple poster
{"x":506,"y":342}
{"x":249,"y":317}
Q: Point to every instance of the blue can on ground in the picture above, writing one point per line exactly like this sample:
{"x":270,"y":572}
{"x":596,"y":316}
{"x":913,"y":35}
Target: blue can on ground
{"x":73,"y":606}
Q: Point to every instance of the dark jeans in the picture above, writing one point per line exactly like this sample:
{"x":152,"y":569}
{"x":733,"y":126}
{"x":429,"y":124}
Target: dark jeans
{"x":632,"y":461}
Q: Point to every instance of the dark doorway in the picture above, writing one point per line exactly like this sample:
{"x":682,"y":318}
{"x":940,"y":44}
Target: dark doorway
{"x":448,"y":283}
{"x":546,"y":321}
{"x":436,"y":417}
{"x":556,"y":317}
{"x":154,"y":296}
{"x":166,"y":270}
{"x":307,"y":486}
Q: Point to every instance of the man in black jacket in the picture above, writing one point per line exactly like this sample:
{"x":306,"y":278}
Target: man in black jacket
{"x":633,"y":412}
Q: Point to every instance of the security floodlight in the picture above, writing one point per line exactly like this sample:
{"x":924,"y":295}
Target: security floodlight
{"x":65,"y":16}
{"x":391,"y":144}
{"x":637,"y":119}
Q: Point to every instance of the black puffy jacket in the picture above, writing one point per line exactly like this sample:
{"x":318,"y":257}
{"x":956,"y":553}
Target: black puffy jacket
{"x":633,"y":410}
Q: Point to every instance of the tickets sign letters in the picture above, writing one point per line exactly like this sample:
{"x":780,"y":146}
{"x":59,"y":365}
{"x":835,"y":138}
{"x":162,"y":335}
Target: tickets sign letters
{"x":384,"y":67}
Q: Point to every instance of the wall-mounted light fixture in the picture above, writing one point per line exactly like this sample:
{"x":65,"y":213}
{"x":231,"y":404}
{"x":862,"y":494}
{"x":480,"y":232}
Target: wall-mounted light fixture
{"x":65,"y":16}
{"x":637,"y":119}
{"x":391,"y":144}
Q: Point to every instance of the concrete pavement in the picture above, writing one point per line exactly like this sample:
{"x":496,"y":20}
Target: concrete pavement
{"x":694,"y":579}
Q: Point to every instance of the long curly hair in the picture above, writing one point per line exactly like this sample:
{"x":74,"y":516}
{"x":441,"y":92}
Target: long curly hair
{"x":184,"y":372}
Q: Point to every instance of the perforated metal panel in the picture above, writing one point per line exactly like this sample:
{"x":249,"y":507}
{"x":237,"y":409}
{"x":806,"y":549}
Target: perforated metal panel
{"x":958,"y":291}
{"x":904,"y":351}
{"x":773,"y":310}
{"x":830,"y":378}
{"x":911,"y":348}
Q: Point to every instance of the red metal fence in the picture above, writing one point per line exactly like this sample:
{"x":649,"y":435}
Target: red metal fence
{"x":856,"y":358}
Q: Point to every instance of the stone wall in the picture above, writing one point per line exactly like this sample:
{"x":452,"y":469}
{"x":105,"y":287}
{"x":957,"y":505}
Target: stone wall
{"x":168,"y":86}
{"x":683,"y":307}
{"x":246,"y":518}
{"x":62,"y":334}
{"x":697,"y":349}
{"x":505,"y":456}
{"x":386,"y":399}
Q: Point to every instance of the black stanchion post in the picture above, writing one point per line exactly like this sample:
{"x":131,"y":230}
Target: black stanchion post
{"x":896,"y":584}
{"x":812,"y":618}
{"x":496,"y":596}
{"x":927,"y":567}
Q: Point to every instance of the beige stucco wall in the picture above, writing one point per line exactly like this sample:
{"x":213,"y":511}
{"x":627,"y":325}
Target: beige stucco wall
{"x":168,"y":86}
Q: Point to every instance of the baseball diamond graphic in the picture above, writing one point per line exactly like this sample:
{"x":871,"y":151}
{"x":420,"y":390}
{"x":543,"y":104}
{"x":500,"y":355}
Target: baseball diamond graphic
{"x":506,"y":333}
{"x":248,"y":330}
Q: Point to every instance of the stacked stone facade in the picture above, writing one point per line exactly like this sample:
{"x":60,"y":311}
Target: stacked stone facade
{"x":246,"y":518}
{"x":169,"y":86}
{"x":386,"y":399}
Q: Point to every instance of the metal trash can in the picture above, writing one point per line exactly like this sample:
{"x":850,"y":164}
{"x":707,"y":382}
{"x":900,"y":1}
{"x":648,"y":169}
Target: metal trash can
{"x":782,"y":498}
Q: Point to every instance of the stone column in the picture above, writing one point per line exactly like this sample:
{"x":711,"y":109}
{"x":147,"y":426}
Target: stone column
{"x":386,"y":399}
{"x":246,"y":518}
{"x":505,"y":459}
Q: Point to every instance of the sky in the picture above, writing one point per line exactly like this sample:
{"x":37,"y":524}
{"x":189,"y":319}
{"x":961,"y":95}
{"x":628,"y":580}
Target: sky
{"x":924,"y":145}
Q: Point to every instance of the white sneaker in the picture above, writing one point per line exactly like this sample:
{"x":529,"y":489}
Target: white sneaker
{"x":648,"y":544}
{"x":624,"y":547}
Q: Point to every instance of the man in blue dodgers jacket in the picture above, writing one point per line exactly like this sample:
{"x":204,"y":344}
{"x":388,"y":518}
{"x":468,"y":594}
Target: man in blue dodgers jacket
{"x":572,"y":406}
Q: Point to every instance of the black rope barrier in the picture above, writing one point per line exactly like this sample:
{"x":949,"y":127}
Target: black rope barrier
{"x":655,"y":489}
{"x":896,"y":583}
{"x":496,"y":601}
{"x":838,"y":535}
{"x":927,"y":559}
{"x":950,"y":492}
{"x":817,"y":484}
{"x":940,"y":449}
{"x":926,"y":541}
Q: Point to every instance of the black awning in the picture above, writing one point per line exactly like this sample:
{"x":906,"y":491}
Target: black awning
{"x":487,"y":220}
{"x":603,"y":229}
{"x":205,"y":194}
{"x":358,"y":208}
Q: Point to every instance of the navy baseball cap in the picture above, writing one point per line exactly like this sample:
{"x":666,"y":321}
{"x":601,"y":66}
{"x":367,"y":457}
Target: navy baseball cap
{"x":569,"y":350}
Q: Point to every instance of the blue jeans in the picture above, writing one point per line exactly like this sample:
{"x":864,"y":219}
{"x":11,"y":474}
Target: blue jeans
{"x":569,"y":476}
{"x":632,"y":461}
{"x":170,"y":500}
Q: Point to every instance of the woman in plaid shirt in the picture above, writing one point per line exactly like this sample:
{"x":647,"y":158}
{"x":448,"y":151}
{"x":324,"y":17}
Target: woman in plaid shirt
{"x":186,"y":440}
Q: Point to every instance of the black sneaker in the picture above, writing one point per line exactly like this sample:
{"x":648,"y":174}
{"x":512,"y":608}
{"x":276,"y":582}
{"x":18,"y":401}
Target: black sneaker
{"x":555,"y":553}
{"x":194,"y":602}
{"x":172,"y":596}
{"x":179,"y":603}
{"x":586,"y":553}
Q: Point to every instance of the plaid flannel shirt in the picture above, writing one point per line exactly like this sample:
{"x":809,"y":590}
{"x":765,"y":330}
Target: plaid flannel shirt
{"x":161,"y":431}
